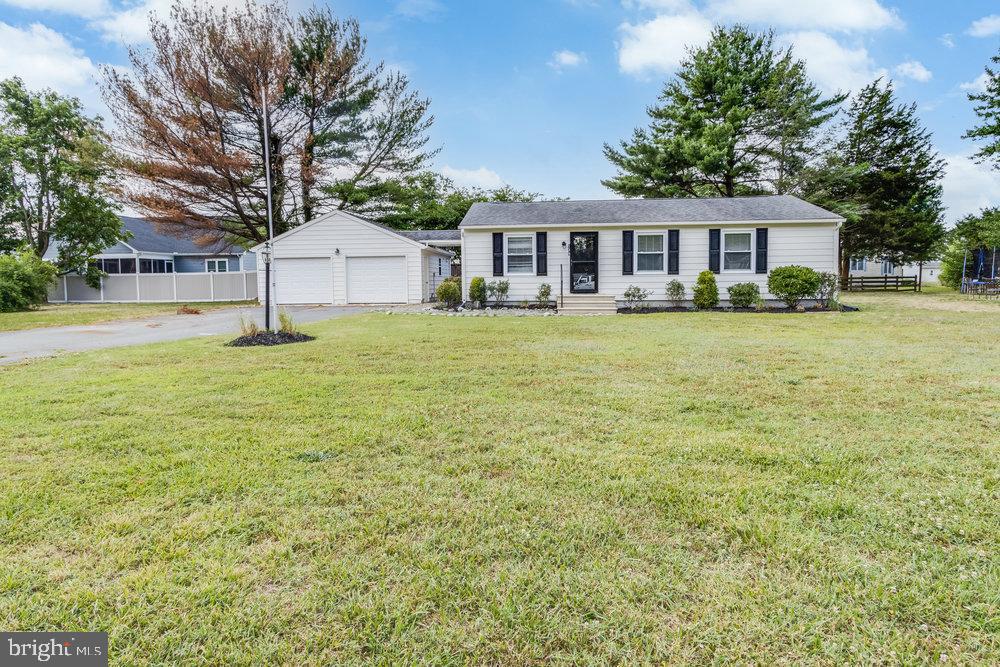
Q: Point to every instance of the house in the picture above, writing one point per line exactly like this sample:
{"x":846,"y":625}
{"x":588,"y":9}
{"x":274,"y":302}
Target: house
{"x":590,"y":252}
{"x":342,"y":258}
{"x":150,"y":251}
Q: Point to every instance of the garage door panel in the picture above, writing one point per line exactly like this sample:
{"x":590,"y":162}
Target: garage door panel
{"x":376,"y":279}
{"x":304,"y":280}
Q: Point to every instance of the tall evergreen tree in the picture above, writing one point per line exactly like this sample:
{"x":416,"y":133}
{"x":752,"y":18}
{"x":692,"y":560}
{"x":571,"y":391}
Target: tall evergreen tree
{"x":740,"y":117}
{"x":988,"y":110}
{"x":884,"y":176}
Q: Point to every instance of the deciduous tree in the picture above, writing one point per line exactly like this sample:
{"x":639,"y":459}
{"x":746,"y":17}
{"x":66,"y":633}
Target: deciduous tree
{"x":54,"y":178}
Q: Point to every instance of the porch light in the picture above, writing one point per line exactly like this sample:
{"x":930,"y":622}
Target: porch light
{"x":265,"y":254}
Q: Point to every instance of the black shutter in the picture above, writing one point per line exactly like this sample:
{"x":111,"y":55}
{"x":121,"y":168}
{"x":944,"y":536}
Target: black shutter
{"x":542,"y":253}
{"x":673,"y":251}
{"x":714,"y":250}
{"x":627,"y":238}
{"x":762,"y":250}
{"x":498,"y":253}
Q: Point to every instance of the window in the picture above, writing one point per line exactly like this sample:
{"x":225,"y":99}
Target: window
{"x":519,"y":254}
{"x":649,"y":252}
{"x":887,"y":268}
{"x":109,"y":265}
{"x":736,"y":255}
{"x":859,"y":264}
{"x":216,"y":265}
{"x":156,"y":266}
{"x":127,"y":265}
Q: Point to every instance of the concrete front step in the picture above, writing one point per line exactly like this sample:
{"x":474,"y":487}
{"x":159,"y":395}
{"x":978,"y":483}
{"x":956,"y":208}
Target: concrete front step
{"x":588,"y":304}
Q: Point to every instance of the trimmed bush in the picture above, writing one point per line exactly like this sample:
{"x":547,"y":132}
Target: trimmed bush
{"x":24,"y":281}
{"x":635,"y":296}
{"x":675,"y":292}
{"x":544,"y":293}
{"x":743,"y":295}
{"x":793,"y":283}
{"x":706,"y":292}
{"x":498,"y":290}
{"x":477,"y":290}
{"x":449,"y":293}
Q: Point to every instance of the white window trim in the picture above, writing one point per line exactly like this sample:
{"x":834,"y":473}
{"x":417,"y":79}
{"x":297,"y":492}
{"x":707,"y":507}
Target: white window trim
{"x":859,"y":264}
{"x":636,"y":253}
{"x":722,"y":251}
{"x":890,"y":266}
{"x":216,"y":261}
{"x":506,"y":255}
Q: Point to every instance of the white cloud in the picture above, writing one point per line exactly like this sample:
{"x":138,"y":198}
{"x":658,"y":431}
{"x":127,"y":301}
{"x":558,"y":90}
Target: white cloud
{"x":808,"y":14}
{"x":419,"y":9}
{"x":913,"y":69}
{"x":986,"y":26}
{"x":131,"y":23}
{"x":44,"y":58}
{"x":566,"y":59}
{"x":659,"y":45}
{"x":977,"y":85}
{"x":831,"y":65}
{"x":84,"y":8}
{"x":968,"y":187}
{"x":473,"y":178}
{"x":948,"y":40}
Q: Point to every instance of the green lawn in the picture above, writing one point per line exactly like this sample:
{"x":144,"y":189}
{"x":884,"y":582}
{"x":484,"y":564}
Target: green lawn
{"x":70,"y":314}
{"x":712,"y":487}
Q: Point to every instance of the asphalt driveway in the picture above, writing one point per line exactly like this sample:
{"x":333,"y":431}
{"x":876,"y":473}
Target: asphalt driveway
{"x":45,"y":342}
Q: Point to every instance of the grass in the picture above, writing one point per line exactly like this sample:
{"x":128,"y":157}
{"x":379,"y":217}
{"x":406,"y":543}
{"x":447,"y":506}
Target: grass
{"x":77,"y":314}
{"x":706,"y":487}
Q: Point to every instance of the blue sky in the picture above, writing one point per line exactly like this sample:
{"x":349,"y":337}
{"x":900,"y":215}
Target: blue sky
{"x":526,"y":92}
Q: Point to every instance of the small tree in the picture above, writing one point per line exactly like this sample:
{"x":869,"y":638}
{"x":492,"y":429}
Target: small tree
{"x":635,"y":296}
{"x":675,"y":292}
{"x":24,"y":281}
{"x":706,"y":292}
{"x":477,"y":290}
{"x":544,"y":293}
{"x":793,"y":283}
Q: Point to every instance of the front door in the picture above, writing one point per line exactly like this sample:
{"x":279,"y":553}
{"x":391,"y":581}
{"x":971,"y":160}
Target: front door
{"x":583,"y":262}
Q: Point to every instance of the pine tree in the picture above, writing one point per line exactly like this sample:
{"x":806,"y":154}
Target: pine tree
{"x":885,"y":178}
{"x":988,"y":110}
{"x":740,"y":117}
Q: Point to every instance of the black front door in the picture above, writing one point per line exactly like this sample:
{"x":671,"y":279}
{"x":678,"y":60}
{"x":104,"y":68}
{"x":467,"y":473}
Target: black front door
{"x":583,"y":262}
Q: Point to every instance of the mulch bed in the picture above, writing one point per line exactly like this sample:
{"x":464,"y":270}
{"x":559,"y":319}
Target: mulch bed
{"x":270,"y":338}
{"x":719,"y":309}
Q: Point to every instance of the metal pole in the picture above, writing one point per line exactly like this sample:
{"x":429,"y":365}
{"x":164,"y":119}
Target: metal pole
{"x":267,"y":286}
{"x":268,"y":320}
{"x":965,"y":259}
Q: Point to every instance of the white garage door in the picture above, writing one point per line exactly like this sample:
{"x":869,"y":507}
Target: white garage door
{"x":304,"y":280}
{"x":376,"y":280}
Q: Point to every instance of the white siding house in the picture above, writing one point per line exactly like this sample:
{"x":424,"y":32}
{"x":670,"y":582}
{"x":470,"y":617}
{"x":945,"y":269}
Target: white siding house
{"x":340,"y":258}
{"x":740,"y":239}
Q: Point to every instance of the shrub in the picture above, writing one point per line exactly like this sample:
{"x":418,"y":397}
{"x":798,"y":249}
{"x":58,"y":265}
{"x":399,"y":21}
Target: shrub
{"x":285,"y":322}
{"x":248,"y":326}
{"x":706,"y":292}
{"x":544,"y":293}
{"x":477,"y":290}
{"x":635,"y":296}
{"x":498,"y":290}
{"x":675,"y":292}
{"x":793,"y":283}
{"x":743,"y":295}
{"x":826,"y":294}
{"x":24,"y":281}
{"x":449,"y":293}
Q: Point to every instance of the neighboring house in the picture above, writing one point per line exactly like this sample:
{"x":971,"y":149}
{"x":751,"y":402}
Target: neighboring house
{"x":597,"y":249}
{"x":149,"y":251}
{"x":868,"y":268}
{"x":341,"y":258}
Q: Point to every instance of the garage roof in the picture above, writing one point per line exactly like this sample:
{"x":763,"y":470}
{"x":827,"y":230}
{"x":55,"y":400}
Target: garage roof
{"x":770,"y":208}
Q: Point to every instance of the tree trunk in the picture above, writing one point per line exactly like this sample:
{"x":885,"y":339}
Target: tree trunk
{"x":308,"y":180}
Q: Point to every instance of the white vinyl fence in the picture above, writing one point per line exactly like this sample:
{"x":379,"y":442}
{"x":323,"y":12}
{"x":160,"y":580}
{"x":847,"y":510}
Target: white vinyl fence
{"x":158,"y":287}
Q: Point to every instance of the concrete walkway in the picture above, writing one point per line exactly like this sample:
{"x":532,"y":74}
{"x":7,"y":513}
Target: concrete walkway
{"x":48,"y":341}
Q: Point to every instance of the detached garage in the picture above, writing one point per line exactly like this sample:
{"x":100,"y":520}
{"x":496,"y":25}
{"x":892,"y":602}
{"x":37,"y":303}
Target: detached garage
{"x":340,"y":258}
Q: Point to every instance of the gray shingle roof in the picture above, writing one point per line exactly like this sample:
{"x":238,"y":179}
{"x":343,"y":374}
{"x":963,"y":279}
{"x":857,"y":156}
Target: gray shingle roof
{"x":432,"y":234}
{"x":639,"y":211}
{"x":145,"y":238}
